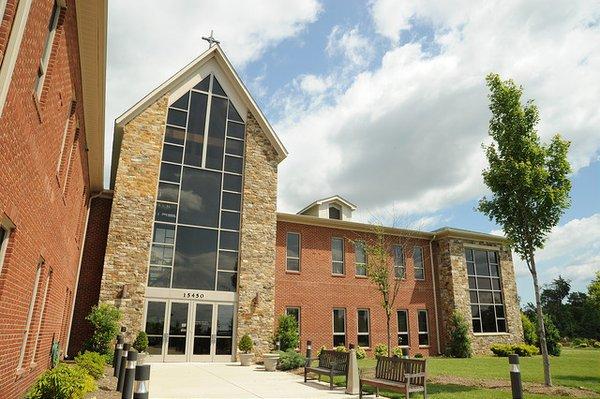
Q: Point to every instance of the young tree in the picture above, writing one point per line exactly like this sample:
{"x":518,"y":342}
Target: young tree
{"x":528,"y":180}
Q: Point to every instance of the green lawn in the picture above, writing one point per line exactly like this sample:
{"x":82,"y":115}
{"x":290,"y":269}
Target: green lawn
{"x":574,"y":368}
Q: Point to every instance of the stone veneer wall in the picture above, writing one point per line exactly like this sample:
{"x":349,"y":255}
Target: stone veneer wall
{"x":256,"y":277}
{"x":454,"y":291}
{"x":130,"y":231}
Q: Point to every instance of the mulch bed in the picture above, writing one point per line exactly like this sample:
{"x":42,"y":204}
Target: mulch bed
{"x":106,"y":387}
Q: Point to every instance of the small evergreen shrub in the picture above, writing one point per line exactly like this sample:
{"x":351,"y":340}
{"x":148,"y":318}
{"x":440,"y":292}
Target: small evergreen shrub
{"x":552,"y":337}
{"x":418,"y":355}
{"x":62,"y":382}
{"x":595,"y":344}
{"x":245,"y":345}
{"x":321,"y":349}
{"x":92,"y":362}
{"x":381,"y":350}
{"x":503,"y":350}
{"x":290,"y":360}
{"x":360,"y":353}
{"x":529,"y":330}
{"x":141,"y":342}
{"x":397,"y":351}
{"x":459,"y":344}
{"x":341,"y":348}
{"x":287,"y":333}
{"x":105,"y":320}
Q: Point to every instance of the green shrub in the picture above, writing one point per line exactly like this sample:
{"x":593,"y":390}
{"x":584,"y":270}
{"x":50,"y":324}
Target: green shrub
{"x":105,"y":320}
{"x":503,"y":350}
{"x":341,"y":348}
{"x":360,"y":353}
{"x":287,"y":333}
{"x":92,"y":362}
{"x":397,"y":351}
{"x":62,"y":382}
{"x":141,"y":342}
{"x":418,"y":355}
{"x":529,"y":330}
{"x":290,"y":360}
{"x":595,"y":344}
{"x":552,"y":337}
{"x":459,"y":344}
{"x":245,"y":344}
{"x":381,"y":350}
{"x":321,"y":349}
{"x":580,"y":343}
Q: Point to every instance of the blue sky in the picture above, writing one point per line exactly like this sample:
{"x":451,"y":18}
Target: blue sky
{"x":384,"y":102}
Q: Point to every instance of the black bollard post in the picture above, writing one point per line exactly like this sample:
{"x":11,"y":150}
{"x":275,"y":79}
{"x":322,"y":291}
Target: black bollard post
{"x":142,"y":381}
{"x":308,"y":352}
{"x":129,"y":375}
{"x":121,"y":375}
{"x":515,"y":377}
{"x":117,"y":353}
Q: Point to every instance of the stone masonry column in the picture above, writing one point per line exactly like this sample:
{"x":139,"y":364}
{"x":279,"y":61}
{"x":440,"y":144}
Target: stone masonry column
{"x":130,"y":230}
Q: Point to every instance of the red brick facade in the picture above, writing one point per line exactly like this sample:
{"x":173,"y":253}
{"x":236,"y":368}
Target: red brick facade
{"x":316,"y":291}
{"x":44,"y":193}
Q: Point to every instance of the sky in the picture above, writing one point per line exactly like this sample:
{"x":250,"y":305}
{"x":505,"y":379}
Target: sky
{"x":384,"y":102}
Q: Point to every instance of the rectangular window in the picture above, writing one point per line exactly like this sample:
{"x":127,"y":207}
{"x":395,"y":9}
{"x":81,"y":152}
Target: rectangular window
{"x":43,"y":67}
{"x":423,"y":328}
{"x":399,"y":268}
{"x":360,"y":258}
{"x":363,"y":328}
{"x":335,"y":213}
{"x":295,"y":313}
{"x":485,"y":291}
{"x":339,"y":327}
{"x":337,"y":256}
{"x":418,"y":263}
{"x":4,"y":234}
{"x":33,"y":300}
{"x":36,"y":342}
{"x":403,"y":328}
{"x":293,"y":252}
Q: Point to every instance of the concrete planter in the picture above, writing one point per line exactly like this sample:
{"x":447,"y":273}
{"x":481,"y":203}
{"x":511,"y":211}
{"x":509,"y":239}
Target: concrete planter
{"x":246,"y":359}
{"x":142,"y":357}
{"x":270,"y":360}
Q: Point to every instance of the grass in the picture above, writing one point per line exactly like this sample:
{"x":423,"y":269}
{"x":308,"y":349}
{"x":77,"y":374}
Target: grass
{"x":574,"y":368}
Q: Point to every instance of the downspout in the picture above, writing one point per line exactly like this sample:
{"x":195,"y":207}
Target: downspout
{"x":87,"y":218}
{"x":435,"y":305}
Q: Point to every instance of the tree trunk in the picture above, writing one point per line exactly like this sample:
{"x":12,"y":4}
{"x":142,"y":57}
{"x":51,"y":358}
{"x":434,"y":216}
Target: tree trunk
{"x":541,"y":328}
{"x":389,"y":336}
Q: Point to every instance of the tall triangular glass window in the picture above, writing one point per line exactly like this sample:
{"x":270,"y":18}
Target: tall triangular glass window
{"x":217,"y":89}
{"x":182,"y":102}
{"x":203,"y":85}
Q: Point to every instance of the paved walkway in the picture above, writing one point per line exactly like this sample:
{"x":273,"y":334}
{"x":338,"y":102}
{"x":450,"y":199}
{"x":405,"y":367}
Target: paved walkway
{"x":202,"y":380}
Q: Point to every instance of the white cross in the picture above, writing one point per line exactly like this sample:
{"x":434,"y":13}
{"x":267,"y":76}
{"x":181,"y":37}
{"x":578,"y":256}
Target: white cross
{"x":211,"y":40}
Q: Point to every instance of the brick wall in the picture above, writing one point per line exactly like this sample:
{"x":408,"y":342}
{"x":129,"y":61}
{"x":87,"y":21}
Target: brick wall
{"x":47,"y":204}
{"x":317,"y":292}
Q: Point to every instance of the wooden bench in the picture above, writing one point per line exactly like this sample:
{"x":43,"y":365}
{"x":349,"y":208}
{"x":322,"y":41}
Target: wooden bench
{"x":398,"y":375}
{"x":331,"y":363}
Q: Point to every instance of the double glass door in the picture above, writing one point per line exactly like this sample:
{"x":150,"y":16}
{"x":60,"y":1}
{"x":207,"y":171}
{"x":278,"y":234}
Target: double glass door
{"x":184,"y":331}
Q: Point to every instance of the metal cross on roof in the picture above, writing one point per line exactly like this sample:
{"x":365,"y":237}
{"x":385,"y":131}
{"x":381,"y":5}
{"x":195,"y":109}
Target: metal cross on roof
{"x":211,"y":40}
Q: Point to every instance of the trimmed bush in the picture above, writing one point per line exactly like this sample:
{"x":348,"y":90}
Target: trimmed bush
{"x":360,"y":353}
{"x":529,"y":330}
{"x":105,"y":320}
{"x":459,"y":344}
{"x":287,"y":333}
{"x":503,"y":350}
{"x":141,"y":342}
{"x":290,"y":360}
{"x":552,"y":337}
{"x":321,"y":349}
{"x":92,"y":362}
{"x":341,"y":348}
{"x":62,"y":382}
{"x":381,"y":350}
{"x":245,"y":344}
{"x":418,"y":355}
{"x":397,"y":351}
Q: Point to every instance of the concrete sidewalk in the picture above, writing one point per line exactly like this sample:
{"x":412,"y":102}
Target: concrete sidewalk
{"x":204,"y":380}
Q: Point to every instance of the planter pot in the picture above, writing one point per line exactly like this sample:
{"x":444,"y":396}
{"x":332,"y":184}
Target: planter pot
{"x":246,"y":359}
{"x":270,"y":360}
{"x":142,"y":357}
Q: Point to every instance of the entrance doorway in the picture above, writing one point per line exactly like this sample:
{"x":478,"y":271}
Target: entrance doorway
{"x":187,"y":331}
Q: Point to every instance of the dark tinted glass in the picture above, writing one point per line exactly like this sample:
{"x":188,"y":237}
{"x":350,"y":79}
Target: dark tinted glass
{"x":228,"y":260}
{"x":203,"y":319}
{"x":166,"y":212}
{"x":470,"y":268}
{"x":500,"y":311}
{"x":159,"y":276}
{"x":226,"y":281}
{"x":501,"y":325}
{"x":195,"y":258}
{"x":339,"y":340}
{"x":174,"y":135}
{"x":337,"y":249}
{"x":481,"y":264}
{"x":422,"y":321}
{"x":476,"y":325}
{"x":172,"y":153}
{"x":233,"y":164}
{"x":178,"y":320}
{"x":402,"y":321}
{"x":484,"y":283}
{"x":485,"y":297}
{"x":232,"y":183}
{"x":195,"y":135}
{"x":199,"y":202}
{"x":488,"y":320}
{"x":170,"y":172}
{"x":161,"y":255}
{"x":176,"y":117}
{"x":235,"y":130}
{"x":164,"y":233}
{"x":217,"y":89}
{"x":223,"y":346}
{"x":363,"y":340}
{"x":473,"y":296}
{"x":363,"y":321}
{"x":494,"y":270}
{"x":225,"y":320}
{"x":496,"y":283}
{"x":293,"y":245}
{"x":202,"y":345}
{"x":203,"y":84}
{"x":216,"y":133}
{"x":235,"y":147}
{"x":155,"y":318}
{"x":230,"y":220}
{"x":475,"y":311}
{"x":472,"y":283}
{"x":229,"y":240}
{"x":232,"y":201}
{"x":295,"y":313}
{"x":233,"y":114}
{"x":167,"y":192}
{"x":334,"y":213}
{"x":182,"y":102}
{"x":339,"y":320}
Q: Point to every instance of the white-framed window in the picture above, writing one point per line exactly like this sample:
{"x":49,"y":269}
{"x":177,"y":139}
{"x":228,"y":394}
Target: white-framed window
{"x":418,"y":263}
{"x":403,"y":337}
{"x":33,"y":300}
{"x":337,"y":256}
{"x":360,"y":258}
{"x":292,"y":252}
{"x":423,"y":328}
{"x":339,"y":327}
{"x":335,"y":212}
{"x":294,"y":311}
{"x":36,"y":342}
{"x":4,"y":236}
{"x":399,"y":265}
{"x":45,"y":60}
{"x":363,"y":320}
{"x":2,"y":9}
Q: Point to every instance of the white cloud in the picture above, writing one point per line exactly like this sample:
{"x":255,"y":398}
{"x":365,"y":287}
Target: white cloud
{"x":313,"y":84}
{"x":350,"y":44}
{"x":149,"y":41}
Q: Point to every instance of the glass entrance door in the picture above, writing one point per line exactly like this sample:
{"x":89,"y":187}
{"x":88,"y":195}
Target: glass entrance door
{"x":155,"y":328}
{"x":223,"y":341}
{"x":203,"y":332}
{"x":177,"y":337}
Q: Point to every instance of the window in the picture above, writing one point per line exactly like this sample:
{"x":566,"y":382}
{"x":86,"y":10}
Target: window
{"x":295,"y":313}
{"x":485,"y":291}
{"x":418,"y":263}
{"x":335,"y":212}
{"x":43,"y":68}
{"x":293,"y":252}
{"x":36,"y":283}
{"x":403,"y":328}
{"x":339,"y":327}
{"x":423,"y":328}
{"x":399,"y":268}
{"x":36,"y":342}
{"x":337,"y":256}
{"x":360,"y":257}
{"x":363,"y":328}
{"x":4,"y":235}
